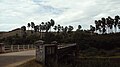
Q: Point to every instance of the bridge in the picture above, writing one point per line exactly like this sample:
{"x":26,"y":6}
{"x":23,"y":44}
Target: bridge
{"x":14,"y":55}
{"x":52,"y":54}
{"x":14,"y":48}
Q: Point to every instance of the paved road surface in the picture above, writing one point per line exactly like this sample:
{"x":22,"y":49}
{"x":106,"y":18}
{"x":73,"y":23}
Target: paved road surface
{"x":15,"y":57}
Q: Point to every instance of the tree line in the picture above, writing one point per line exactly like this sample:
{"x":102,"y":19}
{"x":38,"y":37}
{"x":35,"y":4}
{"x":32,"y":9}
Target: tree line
{"x":106,"y":25}
{"x":65,"y":34}
{"x":46,"y":27}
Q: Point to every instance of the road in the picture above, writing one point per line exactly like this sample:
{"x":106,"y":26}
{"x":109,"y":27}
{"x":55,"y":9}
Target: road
{"x":15,"y":58}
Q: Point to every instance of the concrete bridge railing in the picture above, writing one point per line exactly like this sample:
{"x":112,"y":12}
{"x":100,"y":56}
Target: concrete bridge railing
{"x":15,"y":48}
{"x":52,"y":53}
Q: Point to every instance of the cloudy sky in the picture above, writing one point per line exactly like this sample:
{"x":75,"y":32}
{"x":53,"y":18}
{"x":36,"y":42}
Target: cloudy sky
{"x":16,"y":13}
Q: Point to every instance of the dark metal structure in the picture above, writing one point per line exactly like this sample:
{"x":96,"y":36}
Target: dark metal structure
{"x":52,"y":54}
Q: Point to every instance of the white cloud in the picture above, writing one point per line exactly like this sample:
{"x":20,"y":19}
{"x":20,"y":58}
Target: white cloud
{"x":65,"y":12}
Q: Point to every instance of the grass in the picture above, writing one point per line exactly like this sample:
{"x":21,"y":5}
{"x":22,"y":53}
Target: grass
{"x":93,"y":62}
{"x":31,"y":63}
{"x":98,"y":62}
{"x":82,"y":62}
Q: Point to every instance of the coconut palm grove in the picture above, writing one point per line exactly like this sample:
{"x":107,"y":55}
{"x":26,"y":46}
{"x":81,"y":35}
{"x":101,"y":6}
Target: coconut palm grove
{"x":103,"y":33}
{"x":99,"y":41}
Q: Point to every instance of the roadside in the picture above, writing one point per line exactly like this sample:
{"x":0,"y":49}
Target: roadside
{"x":20,"y":63}
{"x":16,"y":58}
{"x":31,"y":63}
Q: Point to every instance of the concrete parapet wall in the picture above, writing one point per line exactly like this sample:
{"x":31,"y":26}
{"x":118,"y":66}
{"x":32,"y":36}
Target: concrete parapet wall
{"x":15,"y":48}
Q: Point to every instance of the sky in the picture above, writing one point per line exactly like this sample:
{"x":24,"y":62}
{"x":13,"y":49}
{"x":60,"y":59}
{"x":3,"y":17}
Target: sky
{"x":16,"y":13}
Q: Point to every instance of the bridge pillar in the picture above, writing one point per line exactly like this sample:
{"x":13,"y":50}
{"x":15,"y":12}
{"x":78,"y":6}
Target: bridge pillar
{"x":46,"y":53}
{"x":54,"y":56}
{"x":40,"y":51}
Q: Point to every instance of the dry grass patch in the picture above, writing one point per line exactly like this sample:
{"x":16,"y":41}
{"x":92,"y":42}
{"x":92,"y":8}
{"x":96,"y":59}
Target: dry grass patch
{"x":31,"y":63}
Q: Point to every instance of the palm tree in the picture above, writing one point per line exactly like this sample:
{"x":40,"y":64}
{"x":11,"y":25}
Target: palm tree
{"x":119,"y":25}
{"x":70,"y":29}
{"x":92,"y":29}
{"x":103,"y":25}
{"x":42,"y":23}
{"x":96,"y":25}
{"x":48,"y":26}
{"x":28,"y":26}
{"x":109,"y":22}
{"x":66,"y":29}
{"x":104,"y":30}
{"x":42,"y":26}
{"x":99,"y":25}
{"x":36,"y":28}
{"x":79,"y":27}
{"x":23,"y":28}
{"x":59,"y":28}
{"x":32,"y":26}
{"x":52,"y":23}
{"x":62,"y":28}
{"x":55,"y":28}
{"x":116,"y":22}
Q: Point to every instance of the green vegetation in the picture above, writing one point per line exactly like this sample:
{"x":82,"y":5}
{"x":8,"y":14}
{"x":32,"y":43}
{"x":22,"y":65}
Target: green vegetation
{"x":106,"y":24}
{"x":81,"y":62}
{"x":93,"y":62}
{"x":31,"y":63}
{"x":90,"y":42}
